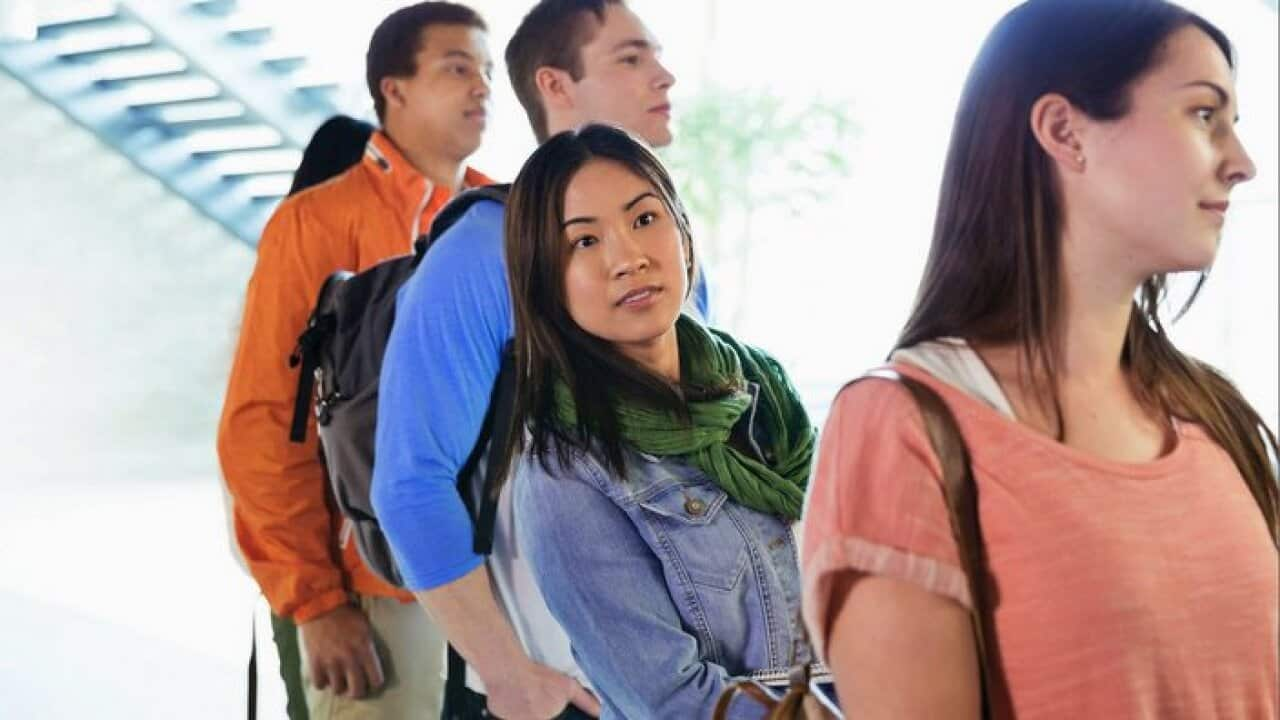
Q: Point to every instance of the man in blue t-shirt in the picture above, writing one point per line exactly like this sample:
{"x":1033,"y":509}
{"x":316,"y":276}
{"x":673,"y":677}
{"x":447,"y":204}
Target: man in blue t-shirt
{"x":571,"y":62}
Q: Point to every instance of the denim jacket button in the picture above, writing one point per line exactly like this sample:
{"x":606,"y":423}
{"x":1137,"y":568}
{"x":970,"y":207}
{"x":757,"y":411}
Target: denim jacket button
{"x":695,"y":507}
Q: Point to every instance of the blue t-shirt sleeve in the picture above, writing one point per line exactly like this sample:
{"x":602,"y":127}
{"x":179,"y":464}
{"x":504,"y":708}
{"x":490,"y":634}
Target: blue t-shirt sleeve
{"x":701,"y":296}
{"x":453,"y":318}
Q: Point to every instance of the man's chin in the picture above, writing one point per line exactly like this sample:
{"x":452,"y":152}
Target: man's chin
{"x":658,"y":137}
{"x":468,"y":143}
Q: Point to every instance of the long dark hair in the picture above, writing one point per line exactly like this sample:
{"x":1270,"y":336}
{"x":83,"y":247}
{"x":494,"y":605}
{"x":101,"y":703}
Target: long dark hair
{"x":549,"y":345}
{"x":994,"y":272}
{"x":335,"y":146}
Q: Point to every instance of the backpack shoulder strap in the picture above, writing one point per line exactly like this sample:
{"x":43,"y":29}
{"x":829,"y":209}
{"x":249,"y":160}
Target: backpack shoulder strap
{"x":320,"y":325}
{"x":494,"y":434}
{"x":455,"y":209}
{"x":961,"y":495}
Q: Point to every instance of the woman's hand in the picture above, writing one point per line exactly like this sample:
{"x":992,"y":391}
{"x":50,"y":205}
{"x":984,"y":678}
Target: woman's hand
{"x":531,"y":691}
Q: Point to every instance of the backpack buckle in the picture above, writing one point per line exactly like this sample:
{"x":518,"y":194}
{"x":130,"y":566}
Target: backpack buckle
{"x":324,"y":407}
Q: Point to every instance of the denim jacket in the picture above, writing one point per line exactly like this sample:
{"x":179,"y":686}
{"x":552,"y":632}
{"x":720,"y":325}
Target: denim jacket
{"x":666,"y":587}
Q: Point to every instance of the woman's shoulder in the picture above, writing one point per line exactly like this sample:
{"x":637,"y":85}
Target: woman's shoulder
{"x":550,"y":485}
{"x":872,"y":418}
{"x":878,"y":398}
{"x":560,"y":459}
{"x":568,"y":468}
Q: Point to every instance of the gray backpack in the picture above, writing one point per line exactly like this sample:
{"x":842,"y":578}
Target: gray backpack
{"x":340,"y":357}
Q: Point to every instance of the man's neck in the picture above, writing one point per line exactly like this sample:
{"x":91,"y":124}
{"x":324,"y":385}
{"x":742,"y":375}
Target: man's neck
{"x":439,"y":168}
{"x":557,"y":124}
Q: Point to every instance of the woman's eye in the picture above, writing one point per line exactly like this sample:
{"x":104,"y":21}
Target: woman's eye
{"x":1205,"y":114}
{"x":585,"y":241}
{"x":647,"y":218}
{"x":630,"y":60}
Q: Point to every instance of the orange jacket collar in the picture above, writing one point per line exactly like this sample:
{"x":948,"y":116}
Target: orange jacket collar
{"x":409,"y":185}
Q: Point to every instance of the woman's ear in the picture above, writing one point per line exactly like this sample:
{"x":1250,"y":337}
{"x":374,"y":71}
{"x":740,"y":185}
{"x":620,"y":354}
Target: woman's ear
{"x":1059,"y":127}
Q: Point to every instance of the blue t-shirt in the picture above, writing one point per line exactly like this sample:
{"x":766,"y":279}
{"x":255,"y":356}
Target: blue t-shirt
{"x":453,"y":318}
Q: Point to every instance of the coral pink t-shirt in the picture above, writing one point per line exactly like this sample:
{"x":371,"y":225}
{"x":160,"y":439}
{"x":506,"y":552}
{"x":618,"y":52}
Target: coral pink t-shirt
{"x":1122,"y":590}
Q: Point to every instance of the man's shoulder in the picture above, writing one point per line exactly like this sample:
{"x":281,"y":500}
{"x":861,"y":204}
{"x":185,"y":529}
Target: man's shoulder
{"x":334,"y":193}
{"x":476,"y":234}
{"x":484,"y":217}
{"x":326,"y":202}
{"x":465,"y":264}
{"x":343,"y":214}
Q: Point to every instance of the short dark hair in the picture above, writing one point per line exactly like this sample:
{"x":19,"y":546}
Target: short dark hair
{"x":398,"y":38}
{"x":551,"y":35}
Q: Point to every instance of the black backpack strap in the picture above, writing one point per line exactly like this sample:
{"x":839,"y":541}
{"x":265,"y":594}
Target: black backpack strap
{"x":456,"y":697}
{"x":494,"y":434}
{"x":253,"y":666}
{"x":320,"y":326}
{"x":306,"y":383}
{"x":501,"y":408}
{"x":455,"y":209}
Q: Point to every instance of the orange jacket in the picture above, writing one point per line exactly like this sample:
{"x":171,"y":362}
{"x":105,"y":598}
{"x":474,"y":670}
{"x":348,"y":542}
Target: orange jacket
{"x":285,"y":524}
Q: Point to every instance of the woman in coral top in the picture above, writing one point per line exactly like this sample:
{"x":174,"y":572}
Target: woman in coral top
{"x":1126,"y":497}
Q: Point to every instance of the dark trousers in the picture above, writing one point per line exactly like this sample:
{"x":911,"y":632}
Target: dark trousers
{"x":285,"y":633}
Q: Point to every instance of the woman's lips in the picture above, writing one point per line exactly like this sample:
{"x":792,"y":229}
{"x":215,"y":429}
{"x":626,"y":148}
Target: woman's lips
{"x":1216,"y":209}
{"x":640,"y":296}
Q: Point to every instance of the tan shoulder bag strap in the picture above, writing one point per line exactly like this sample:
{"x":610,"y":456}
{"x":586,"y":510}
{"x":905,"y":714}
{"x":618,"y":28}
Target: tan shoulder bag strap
{"x":961,"y":494}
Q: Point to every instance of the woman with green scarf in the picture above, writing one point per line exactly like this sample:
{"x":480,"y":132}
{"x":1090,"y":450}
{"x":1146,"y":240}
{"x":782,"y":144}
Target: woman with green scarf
{"x":658,"y":465}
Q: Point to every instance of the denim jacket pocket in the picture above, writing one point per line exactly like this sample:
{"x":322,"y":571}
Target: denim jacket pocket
{"x":698,"y":535}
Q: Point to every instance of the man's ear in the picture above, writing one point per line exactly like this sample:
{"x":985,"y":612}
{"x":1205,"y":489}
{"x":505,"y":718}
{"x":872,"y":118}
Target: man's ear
{"x":1059,"y":127}
{"x":391,"y":93}
{"x":555,"y":87}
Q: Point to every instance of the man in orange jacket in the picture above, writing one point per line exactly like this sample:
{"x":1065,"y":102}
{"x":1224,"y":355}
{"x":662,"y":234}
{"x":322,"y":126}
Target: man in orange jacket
{"x":428,"y":69}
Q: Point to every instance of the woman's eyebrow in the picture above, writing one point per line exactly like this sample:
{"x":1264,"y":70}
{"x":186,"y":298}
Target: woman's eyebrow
{"x":638,"y":198}
{"x":1224,"y":97}
{"x":571,"y":221}
{"x":628,"y":206}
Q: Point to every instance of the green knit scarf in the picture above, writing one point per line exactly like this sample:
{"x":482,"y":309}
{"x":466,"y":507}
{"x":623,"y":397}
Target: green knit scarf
{"x":710,"y":358}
